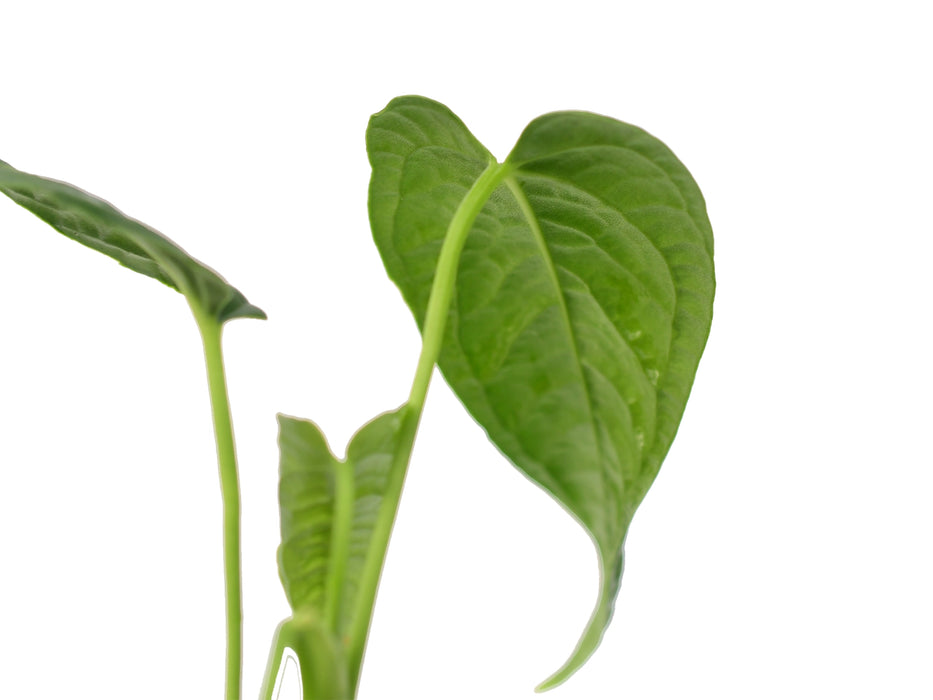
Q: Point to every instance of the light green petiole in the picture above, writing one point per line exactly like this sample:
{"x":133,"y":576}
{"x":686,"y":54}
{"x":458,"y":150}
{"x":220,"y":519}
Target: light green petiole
{"x":442,"y":289}
{"x":343,"y":658}
{"x":211,"y":331}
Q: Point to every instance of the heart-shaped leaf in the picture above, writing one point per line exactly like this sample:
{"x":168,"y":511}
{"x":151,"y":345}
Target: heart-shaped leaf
{"x":583,"y":299}
{"x":99,"y":225}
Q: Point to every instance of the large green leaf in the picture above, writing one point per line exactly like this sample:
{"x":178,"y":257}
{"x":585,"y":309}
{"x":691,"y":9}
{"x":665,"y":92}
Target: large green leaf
{"x":329,"y":509}
{"x":582,"y":303}
{"x":99,"y":225}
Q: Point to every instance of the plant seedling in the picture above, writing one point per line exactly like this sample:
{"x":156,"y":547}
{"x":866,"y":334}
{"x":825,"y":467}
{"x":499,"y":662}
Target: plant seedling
{"x":566,"y":295}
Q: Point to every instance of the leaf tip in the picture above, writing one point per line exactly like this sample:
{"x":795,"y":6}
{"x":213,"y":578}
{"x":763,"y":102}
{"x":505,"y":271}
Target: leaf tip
{"x":610,"y":569}
{"x":251,"y":311}
{"x":560,"y":675}
{"x":550,"y":683}
{"x":240,"y":308}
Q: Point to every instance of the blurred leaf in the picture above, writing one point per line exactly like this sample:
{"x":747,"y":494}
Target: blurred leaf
{"x":99,"y":225}
{"x":328,"y":510}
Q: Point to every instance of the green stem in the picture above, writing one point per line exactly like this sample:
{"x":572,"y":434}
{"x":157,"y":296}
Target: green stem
{"x":276,"y":654}
{"x":321,"y":661}
{"x":341,"y":531}
{"x":442,"y":289}
{"x":211,"y":331}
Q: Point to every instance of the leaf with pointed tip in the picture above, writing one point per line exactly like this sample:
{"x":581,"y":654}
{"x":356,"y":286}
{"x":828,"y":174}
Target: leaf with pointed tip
{"x":582,"y":304}
{"x":99,"y":225}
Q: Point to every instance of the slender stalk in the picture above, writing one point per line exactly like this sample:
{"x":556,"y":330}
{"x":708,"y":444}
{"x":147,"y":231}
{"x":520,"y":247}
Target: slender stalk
{"x":270,"y":681}
{"x":321,"y":669}
{"x":341,"y":532}
{"x":211,"y":331}
{"x":442,"y":288}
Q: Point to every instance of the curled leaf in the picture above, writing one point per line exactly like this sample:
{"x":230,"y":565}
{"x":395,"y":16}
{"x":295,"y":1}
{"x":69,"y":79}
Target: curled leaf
{"x":99,"y":225}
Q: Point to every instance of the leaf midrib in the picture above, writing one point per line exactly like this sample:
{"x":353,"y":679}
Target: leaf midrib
{"x":684,"y":200}
{"x":525,"y":206}
{"x":648,"y":449}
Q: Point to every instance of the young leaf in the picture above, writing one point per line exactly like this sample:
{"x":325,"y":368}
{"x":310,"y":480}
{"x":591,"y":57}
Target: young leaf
{"x":582,"y":303}
{"x":99,"y":225}
{"x":328,"y":507}
{"x":329,"y":511}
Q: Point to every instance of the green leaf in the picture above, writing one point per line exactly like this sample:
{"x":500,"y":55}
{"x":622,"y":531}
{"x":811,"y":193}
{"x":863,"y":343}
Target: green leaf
{"x":582,"y":303}
{"x":329,"y":509}
{"x":99,"y":225}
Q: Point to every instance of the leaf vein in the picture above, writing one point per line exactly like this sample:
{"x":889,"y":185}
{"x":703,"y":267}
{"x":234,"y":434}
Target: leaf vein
{"x":535,"y":227}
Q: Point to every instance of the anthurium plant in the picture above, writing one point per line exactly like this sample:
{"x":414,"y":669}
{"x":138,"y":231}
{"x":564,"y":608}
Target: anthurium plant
{"x":566,"y":295}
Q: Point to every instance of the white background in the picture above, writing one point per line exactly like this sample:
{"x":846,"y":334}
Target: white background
{"x":785,"y":550}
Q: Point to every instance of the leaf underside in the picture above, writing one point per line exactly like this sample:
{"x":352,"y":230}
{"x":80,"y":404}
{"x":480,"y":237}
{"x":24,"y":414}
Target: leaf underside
{"x":99,"y":225}
{"x":583,"y":300}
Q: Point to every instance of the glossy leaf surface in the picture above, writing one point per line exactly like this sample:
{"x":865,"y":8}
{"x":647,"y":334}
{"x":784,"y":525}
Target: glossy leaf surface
{"x":99,"y":225}
{"x":582,"y":303}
